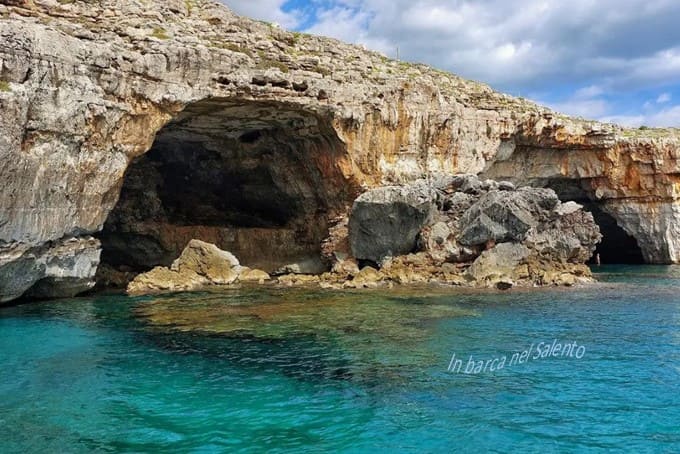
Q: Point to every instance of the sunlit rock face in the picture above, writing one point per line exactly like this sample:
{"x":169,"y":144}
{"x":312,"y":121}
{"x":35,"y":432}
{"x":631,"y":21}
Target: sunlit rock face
{"x":629,"y":179}
{"x":158,"y":100}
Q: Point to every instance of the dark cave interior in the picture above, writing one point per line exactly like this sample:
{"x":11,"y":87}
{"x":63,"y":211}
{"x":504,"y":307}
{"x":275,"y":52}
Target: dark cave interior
{"x":258,"y":179}
{"x":617,"y":246}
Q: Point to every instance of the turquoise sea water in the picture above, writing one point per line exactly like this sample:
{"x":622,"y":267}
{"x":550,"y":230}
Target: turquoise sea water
{"x":275,"y":371}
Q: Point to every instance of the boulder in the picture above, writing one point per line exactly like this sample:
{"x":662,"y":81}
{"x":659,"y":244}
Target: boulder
{"x":346,"y":268}
{"x":499,"y":264}
{"x":457,"y":203}
{"x":385,"y":222}
{"x":291,"y":280}
{"x":205,"y":259}
{"x":501,"y":216}
{"x":467,"y":183}
{"x":572,"y":237}
{"x":164,"y":280}
{"x":201,"y":264}
{"x":369,"y":275}
{"x":440,"y":242}
{"x":250,"y":275}
{"x":309,"y":266}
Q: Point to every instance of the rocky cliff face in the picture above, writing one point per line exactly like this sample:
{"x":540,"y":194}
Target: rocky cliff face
{"x":258,"y":139}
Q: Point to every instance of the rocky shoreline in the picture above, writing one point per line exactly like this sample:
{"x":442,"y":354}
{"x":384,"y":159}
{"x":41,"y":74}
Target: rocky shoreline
{"x":131,"y":128}
{"x":450,"y":230}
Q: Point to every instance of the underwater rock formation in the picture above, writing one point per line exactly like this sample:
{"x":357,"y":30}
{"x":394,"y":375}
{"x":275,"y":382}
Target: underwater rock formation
{"x":148,"y":124}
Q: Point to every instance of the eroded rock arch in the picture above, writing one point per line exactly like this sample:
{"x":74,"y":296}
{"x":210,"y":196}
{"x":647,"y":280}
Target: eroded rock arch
{"x":259,"y":178}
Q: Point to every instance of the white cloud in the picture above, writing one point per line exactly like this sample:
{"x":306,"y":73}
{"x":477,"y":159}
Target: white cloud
{"x":609,"y":48}
{"x":514,"y":44}
{"x":585,"y":108}
{"x":665,"y":118}
{"x":669,"y":117}
{"x":664,"y":98}
{"x":270,"y":10}
{"x":590,"y":103}
{"x":517,"y":44}
{"x":348,"y":25}
{"x":630,"y":121}
{"x":588,"y":92}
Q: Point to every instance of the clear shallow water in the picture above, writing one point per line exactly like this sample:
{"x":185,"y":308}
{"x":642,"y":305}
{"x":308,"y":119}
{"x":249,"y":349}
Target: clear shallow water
{"x":357,"y":372}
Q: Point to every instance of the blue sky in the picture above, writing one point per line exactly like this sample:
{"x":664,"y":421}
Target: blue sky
{"x":612,"y":60}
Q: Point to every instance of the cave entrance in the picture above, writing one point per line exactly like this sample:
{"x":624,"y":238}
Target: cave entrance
{"x":259,"y":179}
{"x":617,"y":246}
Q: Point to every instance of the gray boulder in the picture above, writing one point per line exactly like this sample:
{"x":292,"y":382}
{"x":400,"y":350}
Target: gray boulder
{"x":499,"y":263}
{"x":386,"y":222}
{"x":497,"y":216}
{"x":572,"y":237}
{"x":467,"y":183}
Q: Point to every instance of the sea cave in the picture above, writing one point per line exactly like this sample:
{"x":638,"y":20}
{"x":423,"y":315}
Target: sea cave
{"x":259,"y":179}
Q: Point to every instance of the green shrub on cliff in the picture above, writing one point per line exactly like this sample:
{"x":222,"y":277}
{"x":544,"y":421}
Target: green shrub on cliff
{"x":4,"y":86}
{"x":160,"y":33}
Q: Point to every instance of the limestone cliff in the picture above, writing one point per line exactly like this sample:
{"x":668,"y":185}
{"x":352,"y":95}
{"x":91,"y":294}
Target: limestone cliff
{"x":150,"y":123}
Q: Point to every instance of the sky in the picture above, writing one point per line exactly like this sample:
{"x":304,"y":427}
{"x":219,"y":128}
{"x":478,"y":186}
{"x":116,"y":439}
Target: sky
{"x":609,"y":60}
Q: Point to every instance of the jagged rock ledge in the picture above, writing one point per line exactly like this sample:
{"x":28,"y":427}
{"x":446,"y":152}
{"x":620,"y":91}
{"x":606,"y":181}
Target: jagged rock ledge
{"x":450,"y":230}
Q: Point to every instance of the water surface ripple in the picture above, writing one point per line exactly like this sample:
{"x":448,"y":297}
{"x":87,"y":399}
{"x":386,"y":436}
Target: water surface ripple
{"x":292,"y":371}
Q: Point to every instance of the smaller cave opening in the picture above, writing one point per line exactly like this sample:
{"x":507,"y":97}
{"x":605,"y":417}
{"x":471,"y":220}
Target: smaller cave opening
{"x":259,"y":179}
{"x":532,"y":165}
{"x":617,"y":246}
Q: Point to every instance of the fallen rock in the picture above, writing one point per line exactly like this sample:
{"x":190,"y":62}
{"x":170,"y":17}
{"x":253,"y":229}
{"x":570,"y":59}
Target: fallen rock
{"x":200,"y":265}
{"x":498,"y":216}
{"x":164,"y":280}
{"x":346,"y":268}
{"x":572,"y":237}
{"x":499,"y":264}
{"x":368,"y":277}
{"x":309,"y":266}
{"x":292,"y":280}
{"x":521,"y":231}
{"x":385,"y":222}
{"x":205,"y":259}
{"x":250,"y":275}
